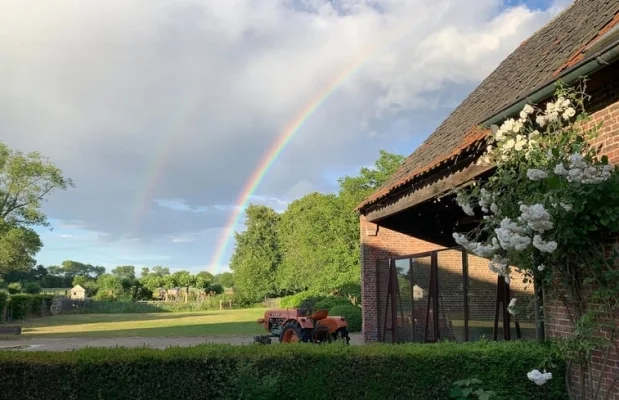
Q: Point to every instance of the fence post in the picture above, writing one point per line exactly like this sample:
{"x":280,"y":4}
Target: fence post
{"x":221,"y":305}
{"x":230,"y":304}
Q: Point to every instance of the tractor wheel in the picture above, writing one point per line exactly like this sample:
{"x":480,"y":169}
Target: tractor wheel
{"x":341,"y":334}
{"x":292,"y":333}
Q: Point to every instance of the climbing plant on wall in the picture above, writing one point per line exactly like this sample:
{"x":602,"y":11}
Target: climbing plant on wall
{"x":549,"y":208}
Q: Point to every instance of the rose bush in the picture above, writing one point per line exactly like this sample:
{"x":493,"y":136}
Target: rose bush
{"x":549,"y":209}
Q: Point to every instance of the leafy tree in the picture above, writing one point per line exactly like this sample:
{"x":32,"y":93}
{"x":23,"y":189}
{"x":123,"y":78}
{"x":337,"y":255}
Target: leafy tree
{"x":27,"y":179}
{"x":256,"y":256}
{"x":226,"y":279}
{"x":126,"y":272}
{"x":81,"y":280}
{"x":216,"y":288}
{"x":204,"y":280}
{"x":354,"y":189}
{"x":185,"y":280}
{"x":161,"y":271}
{"x":109,"y":286}
{"x":127,"y":279}
{"x":32,"y":288}
{"x":18,"y":246}
{"x":14,"y":287}
{"x":315,"y":254}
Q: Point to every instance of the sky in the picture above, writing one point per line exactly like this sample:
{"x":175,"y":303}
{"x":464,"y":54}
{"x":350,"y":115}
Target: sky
{"x":160,"y":110}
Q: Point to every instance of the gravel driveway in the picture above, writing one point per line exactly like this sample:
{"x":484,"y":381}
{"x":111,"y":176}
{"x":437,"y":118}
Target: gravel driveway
{"x":64,"y":344}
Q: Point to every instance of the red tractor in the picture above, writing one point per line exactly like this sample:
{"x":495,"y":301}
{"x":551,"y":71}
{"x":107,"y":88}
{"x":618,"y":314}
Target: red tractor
{"x":298,"y":325}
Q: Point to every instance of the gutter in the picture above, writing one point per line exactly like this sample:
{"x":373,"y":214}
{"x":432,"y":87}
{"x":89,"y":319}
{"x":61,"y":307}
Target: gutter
{"x":597,"y":61}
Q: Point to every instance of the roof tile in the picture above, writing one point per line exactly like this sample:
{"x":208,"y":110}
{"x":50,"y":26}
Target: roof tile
{"x":552,"y":49}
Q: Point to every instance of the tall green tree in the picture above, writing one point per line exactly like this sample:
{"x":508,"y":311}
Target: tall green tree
{"x":226,"y":279}
{"x":315,"y":254}
{"x":204,"y":280}
{"x":26,"y":180}
{"x":257,"y":256}
{"x":355,"y":189}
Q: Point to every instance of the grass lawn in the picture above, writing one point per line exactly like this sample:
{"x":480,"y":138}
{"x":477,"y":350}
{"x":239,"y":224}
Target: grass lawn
{"x":209,"y":323}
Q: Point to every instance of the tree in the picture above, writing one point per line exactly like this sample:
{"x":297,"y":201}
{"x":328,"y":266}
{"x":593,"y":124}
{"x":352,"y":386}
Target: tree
{"x":155,"y":278}
{"x":127,"y":279}
{"x":27,"y":179}
{"x":204,"y":280}
{"x":355,"y":189}
{"x":256,"y":256}
{"x":186,"y":280}
{"x":226,"y":279}
{"x":109,"y":286}
{"x":315,"y":254}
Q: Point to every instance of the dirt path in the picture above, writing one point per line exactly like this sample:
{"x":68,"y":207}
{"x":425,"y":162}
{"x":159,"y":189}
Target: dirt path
{"x":64,"y":344}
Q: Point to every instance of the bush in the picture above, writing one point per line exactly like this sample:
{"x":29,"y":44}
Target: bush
{"x":216,"y":287}
{"x":414,"y":371}
{"x":21,"y":306}
{"x":14,"y":288}
{"x":32,"y":288}
{"x":332,"y":301}
{"x":3,"y":300}
{"x":352,"y":315}
{"x":301,"y":300}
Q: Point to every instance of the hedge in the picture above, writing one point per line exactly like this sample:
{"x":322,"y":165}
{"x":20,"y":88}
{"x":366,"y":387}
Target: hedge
{"x":301,"y":300}
{"x":352,"y":315}
{"x":3,"y":300}
{"x":332,"y":301}
{"x":21,"y":306}
{"x":412,"y":371}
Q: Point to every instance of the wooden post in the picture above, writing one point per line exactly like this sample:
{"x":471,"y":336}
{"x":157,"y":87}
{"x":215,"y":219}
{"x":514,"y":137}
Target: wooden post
{"x":221,"y":305}
{"x":230,"y":304}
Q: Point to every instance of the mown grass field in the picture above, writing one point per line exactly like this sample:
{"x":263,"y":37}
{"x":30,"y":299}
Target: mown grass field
{"x":210,"y":323}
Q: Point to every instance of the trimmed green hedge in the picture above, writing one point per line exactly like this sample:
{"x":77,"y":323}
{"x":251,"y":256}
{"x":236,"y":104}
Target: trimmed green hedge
{"x":279,"y":371}
{"x":332,"y":301}
{"x":21,"y":306}
{"x":4,"y":297}
{"x":352,"y":315}
{"x":303,"y":299}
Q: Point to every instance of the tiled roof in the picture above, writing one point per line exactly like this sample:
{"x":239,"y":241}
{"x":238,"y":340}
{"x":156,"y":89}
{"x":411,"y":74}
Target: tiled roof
{"x":556,"y":47}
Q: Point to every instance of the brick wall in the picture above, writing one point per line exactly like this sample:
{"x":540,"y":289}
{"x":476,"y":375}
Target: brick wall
{"x":378,"y":244}
{"x":604,"y":107}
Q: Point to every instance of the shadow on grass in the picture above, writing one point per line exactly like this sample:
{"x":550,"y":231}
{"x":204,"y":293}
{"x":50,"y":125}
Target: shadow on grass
{"x":82,"y":319}
{"x":207,"y":329}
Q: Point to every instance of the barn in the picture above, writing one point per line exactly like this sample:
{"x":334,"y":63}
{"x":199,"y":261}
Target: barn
{"x":417,"y":283}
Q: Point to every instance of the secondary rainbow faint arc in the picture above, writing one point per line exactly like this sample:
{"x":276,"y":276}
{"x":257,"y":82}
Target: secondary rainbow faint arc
{"x":274,"y":151}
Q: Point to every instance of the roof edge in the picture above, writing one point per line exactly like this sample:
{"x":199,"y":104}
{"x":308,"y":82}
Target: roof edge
{"x":598,"y":60}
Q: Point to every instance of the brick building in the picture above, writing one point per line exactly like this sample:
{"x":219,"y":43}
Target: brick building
{"x":413,"y":212}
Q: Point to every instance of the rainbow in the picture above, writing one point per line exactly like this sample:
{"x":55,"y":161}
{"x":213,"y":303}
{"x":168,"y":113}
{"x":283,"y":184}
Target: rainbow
{"x":275,"y":150}
{"x":156,"y":167}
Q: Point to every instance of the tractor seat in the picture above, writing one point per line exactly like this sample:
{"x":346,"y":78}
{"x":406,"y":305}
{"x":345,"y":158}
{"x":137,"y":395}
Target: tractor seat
{"x":318,"y":315}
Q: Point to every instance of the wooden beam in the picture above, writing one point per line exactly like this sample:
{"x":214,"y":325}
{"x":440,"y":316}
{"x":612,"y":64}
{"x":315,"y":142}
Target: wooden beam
{"x":415,"y":197}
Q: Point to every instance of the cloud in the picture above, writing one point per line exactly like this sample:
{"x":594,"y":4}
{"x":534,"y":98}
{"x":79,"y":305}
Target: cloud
{"x":157,"y":108}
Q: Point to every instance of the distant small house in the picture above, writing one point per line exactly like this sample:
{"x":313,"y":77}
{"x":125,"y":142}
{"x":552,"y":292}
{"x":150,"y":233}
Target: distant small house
{"x":78,"y":293}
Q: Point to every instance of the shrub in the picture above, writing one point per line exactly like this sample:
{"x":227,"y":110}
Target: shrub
{"x":329,"y":302}
{"x":412,"y":371}
{"x":216,"y":287}
{"x":3,"y":300}
{"x":301,"y":300}
{"x":352,"y":315}
{"x":21,"y":306}
{"x":14,"y":288}
{"x":32,"y":288}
